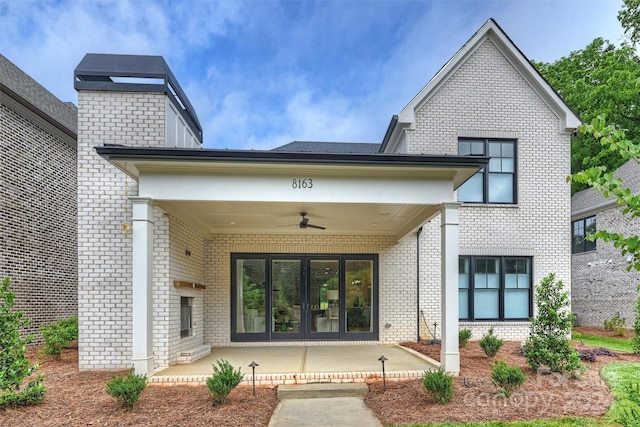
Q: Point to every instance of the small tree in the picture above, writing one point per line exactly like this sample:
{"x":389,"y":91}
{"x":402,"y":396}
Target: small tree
{"x":14,"y":364}
{"x":549,"y":341}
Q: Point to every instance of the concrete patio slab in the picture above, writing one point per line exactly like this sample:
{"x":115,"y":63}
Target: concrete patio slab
{"x":305,"y":364}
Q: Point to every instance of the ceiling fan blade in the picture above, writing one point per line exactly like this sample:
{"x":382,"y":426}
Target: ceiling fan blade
{"x":315,"y":226}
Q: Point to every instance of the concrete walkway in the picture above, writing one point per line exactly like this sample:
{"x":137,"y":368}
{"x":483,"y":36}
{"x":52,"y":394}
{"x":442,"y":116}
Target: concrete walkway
{"x":323,"y":405}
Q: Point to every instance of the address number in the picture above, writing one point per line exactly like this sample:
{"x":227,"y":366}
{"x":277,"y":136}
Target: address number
{"x":302,"y":183}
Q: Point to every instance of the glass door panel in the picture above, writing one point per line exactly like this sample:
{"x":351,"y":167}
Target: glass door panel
{"x":324,"y":293}
{"x":250,"y":277}
{"x":286,"y":296}
{"x":359,"y":295}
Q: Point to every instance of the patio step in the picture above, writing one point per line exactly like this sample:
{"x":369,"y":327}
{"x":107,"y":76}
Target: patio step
{"x":308,"y":391}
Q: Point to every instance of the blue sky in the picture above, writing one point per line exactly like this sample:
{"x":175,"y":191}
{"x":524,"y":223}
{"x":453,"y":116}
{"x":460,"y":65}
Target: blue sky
{"x":262,"y":73}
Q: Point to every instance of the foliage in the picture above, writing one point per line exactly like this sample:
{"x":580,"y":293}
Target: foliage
{"x":549,"y":341}
{"x":15,"y":367}
{"x":623,"y":381}
{"x":629,"y":17}
{"x":439,"y":385}
{"x":616,"y":325}
{"x":591,"y":354}
{"x":635,"y":343}
{"x":223,"y":381}
{"x":603,"y":180}
{"x":507,"y":378}
{"x":617,"y":344}
{"x":491,"y":344}
{"x":58,"y":335}
{"x":126,"y":389}
{"x":597,"y":80}
{"x":464,"y":336}
{"x":557,"y":422}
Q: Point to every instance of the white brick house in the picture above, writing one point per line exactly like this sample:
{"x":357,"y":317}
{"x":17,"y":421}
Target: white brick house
{"x":219,"y":254}
{"x":602,"y":288}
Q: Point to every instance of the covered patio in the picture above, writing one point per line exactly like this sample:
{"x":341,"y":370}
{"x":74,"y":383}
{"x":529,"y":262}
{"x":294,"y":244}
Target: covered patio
{"x":305,"y":364}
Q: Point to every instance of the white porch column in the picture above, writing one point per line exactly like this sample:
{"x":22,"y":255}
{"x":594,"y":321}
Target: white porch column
{"x":142,"y":283}
{"x":450,"y":354}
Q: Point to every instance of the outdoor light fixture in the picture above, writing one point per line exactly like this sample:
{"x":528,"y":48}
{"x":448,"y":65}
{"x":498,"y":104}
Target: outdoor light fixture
{"x":384,"y":379}
{"x":253,"y":368}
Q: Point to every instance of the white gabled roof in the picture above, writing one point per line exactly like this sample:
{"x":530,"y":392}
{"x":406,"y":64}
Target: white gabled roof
{"x":491,"y":30}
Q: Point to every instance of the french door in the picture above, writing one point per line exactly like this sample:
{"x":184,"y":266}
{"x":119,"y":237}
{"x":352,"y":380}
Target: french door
{"x":302,"y":297}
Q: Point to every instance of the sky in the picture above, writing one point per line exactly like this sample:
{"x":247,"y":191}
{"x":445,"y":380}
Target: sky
{"x":263,"y":73}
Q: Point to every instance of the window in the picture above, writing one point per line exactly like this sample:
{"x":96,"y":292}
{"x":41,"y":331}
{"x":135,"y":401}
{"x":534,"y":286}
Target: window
{"x":186,"y":304}
{"x":498,"y":183}
{"x":494,"y":288}
{"x":581,"y":229}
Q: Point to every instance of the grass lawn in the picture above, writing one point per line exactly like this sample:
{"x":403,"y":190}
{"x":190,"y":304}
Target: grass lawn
{"x":560,"y":422}
{"x":615,"y":344}
{"x":624,"y":380}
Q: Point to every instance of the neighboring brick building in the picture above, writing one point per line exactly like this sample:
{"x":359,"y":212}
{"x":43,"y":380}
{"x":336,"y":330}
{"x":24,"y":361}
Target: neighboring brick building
{"x":229,"y":247}
{"x":601,"y":286}
{"x":37,"y":198}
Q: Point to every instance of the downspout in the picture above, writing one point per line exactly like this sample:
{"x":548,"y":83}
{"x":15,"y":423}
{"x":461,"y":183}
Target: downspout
{"x":418,"y":282}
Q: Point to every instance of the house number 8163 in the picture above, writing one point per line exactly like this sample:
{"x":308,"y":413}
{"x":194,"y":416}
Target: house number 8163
{"x":302,"y":183}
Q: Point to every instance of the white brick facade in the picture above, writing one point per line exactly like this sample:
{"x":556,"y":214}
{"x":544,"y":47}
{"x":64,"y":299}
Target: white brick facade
{"x":488,"y":98}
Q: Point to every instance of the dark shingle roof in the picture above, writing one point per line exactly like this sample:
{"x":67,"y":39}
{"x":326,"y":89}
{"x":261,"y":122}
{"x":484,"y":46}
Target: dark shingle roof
{"x":587,"y":201}
{"x":17,"y":83}
{"x":329,"y":147}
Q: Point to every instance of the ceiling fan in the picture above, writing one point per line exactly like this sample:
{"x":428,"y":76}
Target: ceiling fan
{"x":305,"y":223}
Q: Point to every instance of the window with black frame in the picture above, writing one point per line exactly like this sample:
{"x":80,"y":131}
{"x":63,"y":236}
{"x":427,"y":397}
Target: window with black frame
{"x":581,"y":229}
{"x":495,"y":183}
{"x":495,"y":288}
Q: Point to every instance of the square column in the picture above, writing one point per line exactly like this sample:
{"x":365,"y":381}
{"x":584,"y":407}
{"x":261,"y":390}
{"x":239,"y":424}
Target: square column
{"x":142,"y":286}
{"x":449,"y":354}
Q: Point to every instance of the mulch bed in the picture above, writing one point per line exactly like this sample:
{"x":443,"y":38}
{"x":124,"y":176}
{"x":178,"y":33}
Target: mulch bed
{"x":542,"y":396}
{"x":80,"y":399}
{"x":77,"y":398}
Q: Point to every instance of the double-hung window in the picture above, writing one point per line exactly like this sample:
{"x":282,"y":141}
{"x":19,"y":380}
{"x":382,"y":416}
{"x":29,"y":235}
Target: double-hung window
{"x":495,"y":183}
{"x":581,"y":229}
{"x":495,"y":288}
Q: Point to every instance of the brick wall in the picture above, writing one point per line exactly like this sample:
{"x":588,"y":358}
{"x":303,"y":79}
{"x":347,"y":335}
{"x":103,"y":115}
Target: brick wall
{"x":38,"y":219}
{"x":486,"y":97}
{"x":104,"y":252}
{"x":602,"y":288}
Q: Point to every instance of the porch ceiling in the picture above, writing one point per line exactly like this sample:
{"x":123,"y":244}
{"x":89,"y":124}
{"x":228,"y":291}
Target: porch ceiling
{"x":232,"y":217}
{"x":249,"y":192}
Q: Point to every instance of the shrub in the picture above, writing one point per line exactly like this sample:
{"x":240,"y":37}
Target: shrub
{"x":635,"y":343}
{"x":549,"y":341}
{"x":126,"y":389}
{"x":590,"y":355}
{"x":490,"y":344}
{"x":223,"y":381}
{"x":507,"y":378}
{"x":616,"y":325}
{"x":15,"y":368}
{"x":58,"y":335}
{"x":463,"y":337}
{"x":439,"y":385}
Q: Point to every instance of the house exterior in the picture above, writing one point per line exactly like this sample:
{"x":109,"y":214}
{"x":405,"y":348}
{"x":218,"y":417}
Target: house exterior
{"x":451,"y":219}
{"x":38,"y":250}
{"x":602,"y":288}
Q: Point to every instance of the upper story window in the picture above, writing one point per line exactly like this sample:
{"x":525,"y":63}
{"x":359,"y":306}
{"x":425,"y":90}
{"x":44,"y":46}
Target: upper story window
{"x":495,"y":183}
{"x":581,"y":229}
